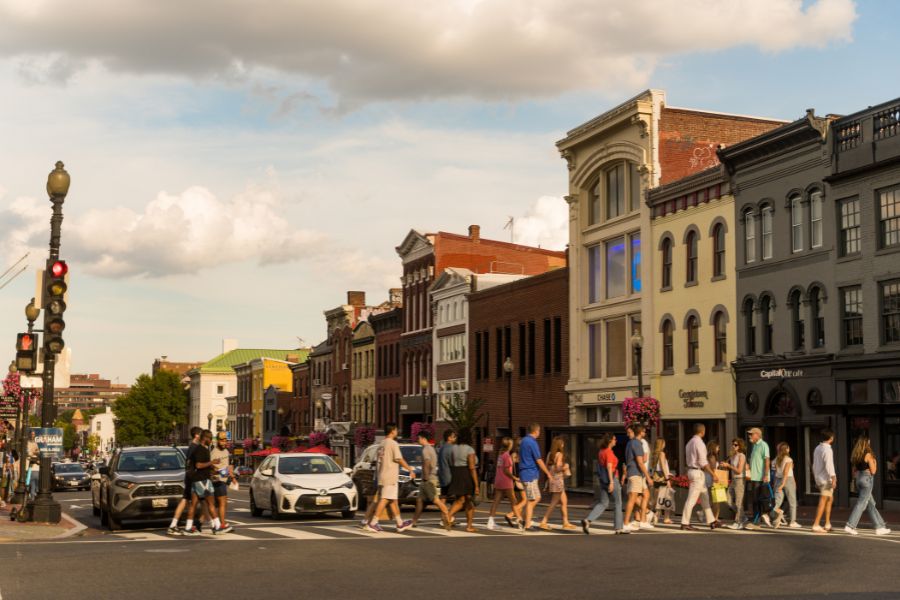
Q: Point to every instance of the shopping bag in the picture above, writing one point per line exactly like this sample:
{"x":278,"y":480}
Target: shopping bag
{"x":719,"y":494}
{"x":234,"y":485}
{"x":666,"y":499}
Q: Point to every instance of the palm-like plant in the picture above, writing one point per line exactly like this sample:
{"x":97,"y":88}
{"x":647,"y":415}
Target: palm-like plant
{"x":463,"y":414}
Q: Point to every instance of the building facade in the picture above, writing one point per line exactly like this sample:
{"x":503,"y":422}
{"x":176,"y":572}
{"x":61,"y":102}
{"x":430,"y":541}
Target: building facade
{"x":694,"y":308}
{"x":387,"y":327}
{"x":87,"y":391}
{"x":300,"y":412}
{"x":362,"y":368}
{"x":320,"y":366}
{"x":103,"y":425}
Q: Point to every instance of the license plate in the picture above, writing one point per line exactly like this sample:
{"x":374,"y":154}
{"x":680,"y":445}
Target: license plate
{"x":160,"y":502}
{"x":323,"y":500}
{"x":73,"y":483}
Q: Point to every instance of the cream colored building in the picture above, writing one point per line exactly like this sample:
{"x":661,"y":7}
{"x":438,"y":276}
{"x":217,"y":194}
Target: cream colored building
{"x":694,"y":308}
{"x":362,"y":372}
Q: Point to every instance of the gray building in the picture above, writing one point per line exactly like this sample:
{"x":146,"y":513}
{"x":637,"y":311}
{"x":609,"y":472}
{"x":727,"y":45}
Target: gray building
{"x":818,"y":287}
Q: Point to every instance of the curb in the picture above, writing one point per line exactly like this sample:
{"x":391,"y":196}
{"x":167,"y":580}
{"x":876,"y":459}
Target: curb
{"x":77,"y":527}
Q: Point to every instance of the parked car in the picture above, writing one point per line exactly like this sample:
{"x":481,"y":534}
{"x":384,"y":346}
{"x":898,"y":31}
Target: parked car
{"x":143,"y":483}
{"x":243,"y":472}
{"x":301,"y":483}
{"x":363,"y":473}
{"x":69,"y":476}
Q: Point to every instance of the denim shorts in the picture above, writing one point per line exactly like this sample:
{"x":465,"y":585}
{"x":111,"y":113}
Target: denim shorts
{"x":202,"y":489}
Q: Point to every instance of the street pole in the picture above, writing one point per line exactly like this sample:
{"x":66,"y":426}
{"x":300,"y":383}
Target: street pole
{"x":508,"y":369}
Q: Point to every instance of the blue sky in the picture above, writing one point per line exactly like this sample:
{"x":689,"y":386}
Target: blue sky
{"x":231,"y":184}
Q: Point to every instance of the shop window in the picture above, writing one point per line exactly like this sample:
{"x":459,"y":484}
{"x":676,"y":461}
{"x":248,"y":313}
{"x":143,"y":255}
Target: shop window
{"x":890,"y":391}
{"x":857,"y":392}
{"x":891,"y":444}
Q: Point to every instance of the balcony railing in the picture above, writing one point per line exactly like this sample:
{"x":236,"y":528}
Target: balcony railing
{"x":849,"y":136}
{"x":886,"y":123}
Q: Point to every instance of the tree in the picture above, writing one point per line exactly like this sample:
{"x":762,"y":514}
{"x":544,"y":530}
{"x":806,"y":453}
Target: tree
{"x":463,"y":414}
{"x":145,"y":415}
{"x":93,"y":443}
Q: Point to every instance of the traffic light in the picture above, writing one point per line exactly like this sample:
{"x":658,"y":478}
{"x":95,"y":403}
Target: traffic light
{"x":26,"y":352}
{"x":55,"y":305}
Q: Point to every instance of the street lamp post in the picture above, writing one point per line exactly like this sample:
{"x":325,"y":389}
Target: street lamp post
{"x":508,"y":369}
{"x":209,"y":419}
{"x":46,"y":509}
{"x":637,"y":343}
{"x":32,"y":312}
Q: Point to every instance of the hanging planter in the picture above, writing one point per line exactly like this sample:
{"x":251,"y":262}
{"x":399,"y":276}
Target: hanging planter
{"x":643,"y":411}
{"x":364,"y":436}
{"x":317,"y":438}
{"x":419,"y":427}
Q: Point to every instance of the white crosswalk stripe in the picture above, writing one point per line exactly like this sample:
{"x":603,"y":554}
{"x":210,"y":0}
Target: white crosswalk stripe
{"x":288,"y":532}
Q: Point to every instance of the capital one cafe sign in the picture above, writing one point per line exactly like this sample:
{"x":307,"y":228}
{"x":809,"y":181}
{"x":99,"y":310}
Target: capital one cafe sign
{"x":780,"y":373}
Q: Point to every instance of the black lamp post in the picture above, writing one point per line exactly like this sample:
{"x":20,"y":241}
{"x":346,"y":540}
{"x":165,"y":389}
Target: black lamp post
{"x":508,"y":369}
{"x":209,"y":419}
{"x":637,"y":343}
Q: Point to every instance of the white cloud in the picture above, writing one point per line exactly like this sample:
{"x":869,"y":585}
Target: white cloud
{"x":545,"y":224}
{"x":409,"y":49}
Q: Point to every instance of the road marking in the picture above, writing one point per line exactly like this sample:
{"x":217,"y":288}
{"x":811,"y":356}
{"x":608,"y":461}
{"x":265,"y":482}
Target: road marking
{"x":287,"y":532}
{"x":451,"y":533}
{"x":358,"y":531}
{"x":240,"y":510}
{"x":141,"y":536}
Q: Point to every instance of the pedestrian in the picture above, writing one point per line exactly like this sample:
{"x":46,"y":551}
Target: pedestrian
{"x":371,"y":491}
{"x":610,"y":489}
{"x":222,"y":476}
{"x":695,"y":454}
{"x":661,"y":476}
{"x":760,"y":463}
{"x":518,"y":486}
{"x":647,"y":514}
{"x":639,"y":482}
{"x":556,"y":484}
{"x":826,"y":480}
{"x":201,"y":485}
{"x":389,"y":480}
{"x":445,"y":459}
{"x":464,"y":480}
{"x":504,"y":486}
{"x":865,"y":468}
{"x":712,"y":457}
{"x":186,"y":495}
{"x":34,"y":478}
{"x":531,"y":465}
{"x":737,"y":465}
{"x":429,"y":487}
{"x":32,"y":446}
{"x":785,"y":486}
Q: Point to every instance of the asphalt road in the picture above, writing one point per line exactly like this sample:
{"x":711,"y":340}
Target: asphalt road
{"x":331,"y":557}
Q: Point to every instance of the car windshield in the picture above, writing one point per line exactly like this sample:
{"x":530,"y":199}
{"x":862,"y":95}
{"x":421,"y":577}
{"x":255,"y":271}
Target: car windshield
{"x":307,"y":465}
{"x":151,"y":460}
{"x":68,"y":468}
{"x":412,"y":455}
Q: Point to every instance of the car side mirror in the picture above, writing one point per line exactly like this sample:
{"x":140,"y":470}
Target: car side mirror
{"x":267,"y":472}
{"x":104,"y":470}
{"x":348,"y":470}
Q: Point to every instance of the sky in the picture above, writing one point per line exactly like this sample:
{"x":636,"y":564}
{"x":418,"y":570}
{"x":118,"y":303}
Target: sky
{"x":238,"y":166}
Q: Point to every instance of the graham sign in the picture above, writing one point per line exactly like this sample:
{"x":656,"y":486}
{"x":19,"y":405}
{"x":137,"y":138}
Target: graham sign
{"x":49,"y":440}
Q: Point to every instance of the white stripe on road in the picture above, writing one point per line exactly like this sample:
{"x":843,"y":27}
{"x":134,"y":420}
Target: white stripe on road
{"x":297,"y":534}
{"x":143,"y":536}
{"x":357,"y":530}
{"x":445,"y":533}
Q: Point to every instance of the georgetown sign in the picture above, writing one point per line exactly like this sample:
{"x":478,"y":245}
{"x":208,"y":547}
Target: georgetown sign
{"x":691,"y":398}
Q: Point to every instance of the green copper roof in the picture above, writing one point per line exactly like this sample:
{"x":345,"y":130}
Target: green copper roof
{"x":224,"y":363}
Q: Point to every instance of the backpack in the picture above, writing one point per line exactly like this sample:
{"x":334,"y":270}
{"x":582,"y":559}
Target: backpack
{"x":602,"y":473}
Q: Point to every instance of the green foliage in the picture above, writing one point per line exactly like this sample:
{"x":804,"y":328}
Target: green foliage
{"x":93,"y":443}
{"x":463,"y":414}
{"x":145,"y":414}
{"x":69,"y":434}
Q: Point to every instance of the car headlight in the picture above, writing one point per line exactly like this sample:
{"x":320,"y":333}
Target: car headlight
{"x":289,"y":486}
{"x":348,"y":485}
{"x":125,"y":484}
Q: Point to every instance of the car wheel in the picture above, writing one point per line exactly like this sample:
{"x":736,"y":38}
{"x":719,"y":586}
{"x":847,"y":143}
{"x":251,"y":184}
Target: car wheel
{"x":111,"y":522}
{"x":277,"y":515}
{"x":348,"y":514}
{"x":254,"y":510}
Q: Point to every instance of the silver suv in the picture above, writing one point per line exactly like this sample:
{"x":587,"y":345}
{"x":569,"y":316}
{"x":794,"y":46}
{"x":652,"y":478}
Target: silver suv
{"x":142,"y":483}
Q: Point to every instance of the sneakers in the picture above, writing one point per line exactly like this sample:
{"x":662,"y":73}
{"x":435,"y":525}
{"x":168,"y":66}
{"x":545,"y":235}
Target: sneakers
{"x":767,"y":520}
{"x":651,"y":516}
{"x":818,"y":529}
{"x":643,"y":525}
{"x":849,"y":530}
{"x":174,"y":531}
{"x":751,"y":526}
{"x":192,"y":532}
{"x":490,"y":524}
{"x":779,"y":518}
{"x":882,"y":531}
{"x":221,"y":530}
{"x":404,"y":526}
{"x":373,"y":528}
{"x":795,"y":525}
{"x":586,"y":526}
{"x":735,"y":526}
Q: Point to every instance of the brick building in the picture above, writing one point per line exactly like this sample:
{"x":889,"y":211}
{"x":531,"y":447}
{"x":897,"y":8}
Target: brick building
{"x":88,"y":391}
{"x":424,"y":258}
{"x":387,"y":327}
{"x":181,"y":368}
{"x":299,"y":410}
{"x":527,"y":322}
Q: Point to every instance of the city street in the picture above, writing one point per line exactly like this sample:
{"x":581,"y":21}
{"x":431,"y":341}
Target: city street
{"x":334,"y":555}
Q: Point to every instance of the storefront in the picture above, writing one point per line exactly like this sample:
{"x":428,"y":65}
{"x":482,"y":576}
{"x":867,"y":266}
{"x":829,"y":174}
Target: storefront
{"x":591,"y":416}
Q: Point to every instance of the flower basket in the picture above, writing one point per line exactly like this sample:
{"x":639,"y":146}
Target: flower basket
{"x":419,"y":427}
{"x":364,"y":436}
{"x":280,"y":441}
{"x":643,"y":411}
{"x":317,"y":438}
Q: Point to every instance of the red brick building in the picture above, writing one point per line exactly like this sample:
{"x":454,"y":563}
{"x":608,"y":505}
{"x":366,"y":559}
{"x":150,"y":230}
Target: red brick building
{"x":526,"y":321}
{"x":424,"y":258}
{"x":388,"y":327}
{"x":300,"y":414}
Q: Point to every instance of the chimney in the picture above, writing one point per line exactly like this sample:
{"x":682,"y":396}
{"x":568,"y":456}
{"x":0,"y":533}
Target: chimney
{"x":356,"y":299}
{"x":475,"y":233}
{"x":395,"y":296}
{"x":229,"y":344}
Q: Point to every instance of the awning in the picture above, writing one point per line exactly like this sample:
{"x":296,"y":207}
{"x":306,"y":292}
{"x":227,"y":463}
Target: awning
{"x":320,"y":449}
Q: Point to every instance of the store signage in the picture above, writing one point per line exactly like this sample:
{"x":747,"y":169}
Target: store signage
{"x":691,"y":398}
{"x":606,"y":397}
{"x":49,"y":440}
{"x":9,"y":408}
{"x":780,"y":373}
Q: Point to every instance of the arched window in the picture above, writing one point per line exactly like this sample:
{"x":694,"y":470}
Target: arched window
{"x":818,"y":317}
{"x":767,"y":316}
{"x":666,"y":251}
{"x":798,"y":328}
{"x":615,"y":191}
{"x":768,"y":248}
{"x":693,"y":341}
{"x":718,"y":237}
{"x":749,"y":327}
{"x":691,"y":243}
{"x":668,"y":346}
{"x":749,"y":236}
{"x":721,"y":338}
{"x":815,"y":219}
{"x":797,"y":237}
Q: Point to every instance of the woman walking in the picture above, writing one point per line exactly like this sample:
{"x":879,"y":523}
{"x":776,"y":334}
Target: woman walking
{"x":463,"y":480}
{"x":504,"y":484}
{"x":559,"y":470}
{"x":865,"y":467}
{"x":610,"y":487}
{"x":737,"y":464}
{"x":785,"y":485}
{"x":662,"y":478}
{"x":712,"y":456}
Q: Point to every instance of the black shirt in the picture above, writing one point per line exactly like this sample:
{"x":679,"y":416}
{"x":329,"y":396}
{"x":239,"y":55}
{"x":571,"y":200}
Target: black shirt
{"x":200,"y":455}
{"x":188,"y":465}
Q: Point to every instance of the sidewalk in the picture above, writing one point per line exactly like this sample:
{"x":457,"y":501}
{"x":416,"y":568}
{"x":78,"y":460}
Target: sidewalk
{"x":13,"y":531}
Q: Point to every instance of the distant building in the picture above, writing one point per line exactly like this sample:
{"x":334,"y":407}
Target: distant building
{"x":181,"y":368}
{"x":387,"y":327}
{"x":103,"y":425}
{"x":87,"y":392}
{"x":299,"y":412}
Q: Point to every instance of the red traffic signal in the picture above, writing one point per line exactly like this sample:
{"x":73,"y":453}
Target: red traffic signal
{"x":25,"y":342}
{"x":59,"y":268}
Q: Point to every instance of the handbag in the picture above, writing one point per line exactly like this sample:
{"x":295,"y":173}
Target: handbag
{"x":567,"y":472}
{"x":234,"y":485}
{"x":666,"y":499}
{"x":718,"y":494}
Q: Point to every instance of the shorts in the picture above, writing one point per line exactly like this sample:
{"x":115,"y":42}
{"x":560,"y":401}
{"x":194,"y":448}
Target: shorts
{"x":428,"y":491}
{"x":187,"y":489}
{"x":825,"y":489}
{"x":532,"y":490}
{"x":389,"y":492}
{"x":220,"y":489}
{"x":636,"y":484}
{"x":203,"y":488}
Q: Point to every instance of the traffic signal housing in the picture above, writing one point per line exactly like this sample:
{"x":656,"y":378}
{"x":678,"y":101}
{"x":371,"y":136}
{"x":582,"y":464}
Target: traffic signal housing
{"x":55,"y":305}
{"x":26,"y":352}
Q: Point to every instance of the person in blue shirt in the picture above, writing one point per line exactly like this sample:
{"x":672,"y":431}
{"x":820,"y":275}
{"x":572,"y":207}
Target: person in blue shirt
{"x":530,"y":467}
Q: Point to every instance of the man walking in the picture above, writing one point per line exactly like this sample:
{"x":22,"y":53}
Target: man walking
{"x":639,"y":481}
{"x":696,"y":458}
{"x":429,"y":492}
{"x":201,"y":486}
{"x":186,"y":496}
{"x":826,"y":480}
{"x":446,"y":459}
{"x":389,"y":480}
{"x":531,"y":465}
{"x":760,"y":463}
{"x":222,"y":475}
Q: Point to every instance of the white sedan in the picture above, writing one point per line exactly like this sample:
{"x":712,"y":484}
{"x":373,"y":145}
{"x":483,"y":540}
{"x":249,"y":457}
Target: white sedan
{"x":301,"y":483}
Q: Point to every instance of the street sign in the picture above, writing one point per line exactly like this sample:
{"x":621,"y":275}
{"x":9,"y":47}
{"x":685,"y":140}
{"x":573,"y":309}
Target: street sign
{"x":326,"y":397}
{"x":8,"y":408}
{"x":49,"y":440}
{"x":238,"y":452}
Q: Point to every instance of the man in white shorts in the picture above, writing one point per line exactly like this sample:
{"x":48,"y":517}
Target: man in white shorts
{"x":389,"y":480}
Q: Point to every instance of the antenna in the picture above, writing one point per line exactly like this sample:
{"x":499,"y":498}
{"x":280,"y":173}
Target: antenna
{"x":511,"y":225}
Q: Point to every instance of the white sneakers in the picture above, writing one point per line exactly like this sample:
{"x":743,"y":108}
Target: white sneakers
{"x":850,"y":530}
{"x":767,"y":520}
{"x":643,"y":525}
{"x":882,"y":531}
{"x":735,"y":526}
{"x":490,"y":524}
{"x":795,"y":525}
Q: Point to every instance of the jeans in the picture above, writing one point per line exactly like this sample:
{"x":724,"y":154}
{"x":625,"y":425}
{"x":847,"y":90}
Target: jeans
{"x":603,"y":502}
{"x":753,"y":490}
{"x":33,"y":485}
{"x":736,"y":498}
{"x":790,"y":490}
{"x":865,"y":501}
{"x":697,"y":490}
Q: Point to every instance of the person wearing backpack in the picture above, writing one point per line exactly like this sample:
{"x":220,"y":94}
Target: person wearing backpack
{"x":610,"y":488}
